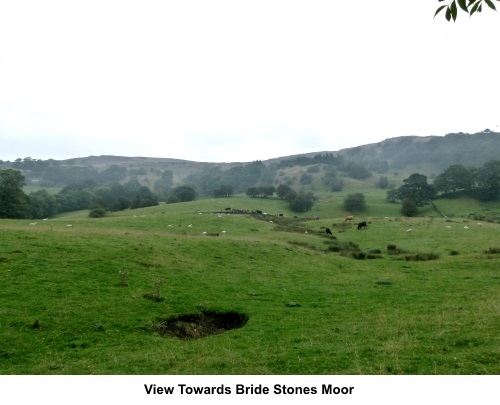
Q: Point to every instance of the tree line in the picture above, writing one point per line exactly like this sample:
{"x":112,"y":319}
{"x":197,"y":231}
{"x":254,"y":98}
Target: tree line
{"x":482,"y":183}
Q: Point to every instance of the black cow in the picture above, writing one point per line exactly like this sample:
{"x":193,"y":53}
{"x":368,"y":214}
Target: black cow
{"x":328,"y":231}
{"x":362,"y":225}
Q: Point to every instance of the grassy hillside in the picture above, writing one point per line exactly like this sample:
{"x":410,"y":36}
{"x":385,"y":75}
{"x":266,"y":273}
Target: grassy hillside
{"x":94,"y":298}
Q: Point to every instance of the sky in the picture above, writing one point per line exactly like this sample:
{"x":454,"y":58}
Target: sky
{"x":238,"y":81}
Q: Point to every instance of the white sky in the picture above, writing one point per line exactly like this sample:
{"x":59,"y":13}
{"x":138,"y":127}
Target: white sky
{"x":228,"y":81}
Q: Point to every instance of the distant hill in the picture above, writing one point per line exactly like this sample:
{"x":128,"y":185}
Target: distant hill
{"x":429,"y":154}
{"x":436,"y":151}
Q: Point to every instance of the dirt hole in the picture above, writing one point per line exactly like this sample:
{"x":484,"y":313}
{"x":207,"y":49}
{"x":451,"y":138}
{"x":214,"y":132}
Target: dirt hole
{"x":199,"y":325}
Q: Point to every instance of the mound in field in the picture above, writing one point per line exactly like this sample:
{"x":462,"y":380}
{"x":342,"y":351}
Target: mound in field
{"x":199,"y":325}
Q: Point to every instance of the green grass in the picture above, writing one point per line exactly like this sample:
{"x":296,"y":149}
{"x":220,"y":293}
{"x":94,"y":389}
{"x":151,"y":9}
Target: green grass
{"x":310,"y":310}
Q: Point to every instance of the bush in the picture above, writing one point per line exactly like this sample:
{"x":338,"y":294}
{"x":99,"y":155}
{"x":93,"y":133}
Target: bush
{"x":355,"y":202}
{"x":409,"y":208}
{"x":97,"y":212}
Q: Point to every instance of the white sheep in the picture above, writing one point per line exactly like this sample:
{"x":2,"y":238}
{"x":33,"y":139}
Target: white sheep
{"x":409,"y":231}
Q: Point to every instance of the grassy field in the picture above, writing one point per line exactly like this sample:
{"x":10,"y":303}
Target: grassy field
{"x":92,"y":298}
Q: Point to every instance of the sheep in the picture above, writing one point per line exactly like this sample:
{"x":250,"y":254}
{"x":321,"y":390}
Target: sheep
{"x":69,"y":225}
{"x":409,"y":231}
{"x":33,"y":223}
{"x":466,"y":227}
{"x":448,"y":227}
{"x":349,"y":218}
{"x":190,"y":225}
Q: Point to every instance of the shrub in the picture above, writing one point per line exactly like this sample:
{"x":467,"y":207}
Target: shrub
{"x":421,"y":257}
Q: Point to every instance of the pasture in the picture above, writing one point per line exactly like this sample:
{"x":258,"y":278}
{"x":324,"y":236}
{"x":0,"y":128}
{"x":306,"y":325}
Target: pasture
{"x":94,"y":298}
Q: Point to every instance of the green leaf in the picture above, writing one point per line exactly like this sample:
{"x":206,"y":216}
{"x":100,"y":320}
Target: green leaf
{"x":474,"y":8}
{"x":463,"y":5}
{"x":438,"y":10}
{"x":448,"y":14}
{"x":490,"y":4}
{"x":453,"y":8}
{"x":471,"y":2}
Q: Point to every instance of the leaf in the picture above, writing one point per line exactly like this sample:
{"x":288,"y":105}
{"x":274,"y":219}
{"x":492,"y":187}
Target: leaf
{"x":471,"y":2}
{"x":438,"y":10}
{"x":453,"y":8}
{"x":448,"y":14}
{"x":474,"y":8}
{"x":463,"y":5}
{"x":490,"y":4}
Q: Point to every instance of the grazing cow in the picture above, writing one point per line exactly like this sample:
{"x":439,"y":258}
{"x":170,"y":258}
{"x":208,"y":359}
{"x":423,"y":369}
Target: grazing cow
{"x":349,"y":218}
{"x":328,"y":231}
{"x":362,"y":225}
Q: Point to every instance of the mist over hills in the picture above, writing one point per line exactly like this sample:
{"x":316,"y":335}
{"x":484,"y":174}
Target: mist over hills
{"x":429,"y":154}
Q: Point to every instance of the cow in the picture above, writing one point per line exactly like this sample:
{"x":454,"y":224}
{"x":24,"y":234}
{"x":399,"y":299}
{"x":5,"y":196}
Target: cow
{"x":361,"y":225}
{"x":349,"y":218}
{"x":328,"y":231}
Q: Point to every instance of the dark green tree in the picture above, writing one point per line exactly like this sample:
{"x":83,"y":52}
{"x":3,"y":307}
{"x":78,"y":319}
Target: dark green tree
{"x":416,"y":189}
{"x":43,"y":204}
{"x":285,"y":192}
{"x":355,"y":202}
{"x":302,"y":202}
{"x":224,"y":190}
{"x":409,"y":208}
{"x":455,"y":177}
{"x":14,"y":203}
{"x":488,"y":181}
{"x":383,"y":182}
{"x":182,"y":193}
{"x":144,"y":198}
{"x":357,"y":171}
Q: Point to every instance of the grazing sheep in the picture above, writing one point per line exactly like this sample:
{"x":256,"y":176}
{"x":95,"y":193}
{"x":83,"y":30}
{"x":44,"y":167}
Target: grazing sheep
{"x":69,"y":225}
{"x":448,"y":226}
{"x":349,"y":218}
{"x":409,"y":231}
{"x":33,"y":223}
{"x":190,"y":225}
{"x":466,"y":227}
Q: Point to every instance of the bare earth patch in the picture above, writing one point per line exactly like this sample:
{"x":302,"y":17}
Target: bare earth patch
{"x":199,"y":325}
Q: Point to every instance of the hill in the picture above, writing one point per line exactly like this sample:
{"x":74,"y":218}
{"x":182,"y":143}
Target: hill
{"x":428,"y":155}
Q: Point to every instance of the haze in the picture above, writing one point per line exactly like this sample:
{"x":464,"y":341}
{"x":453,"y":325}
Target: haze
{"x":233,"y":81}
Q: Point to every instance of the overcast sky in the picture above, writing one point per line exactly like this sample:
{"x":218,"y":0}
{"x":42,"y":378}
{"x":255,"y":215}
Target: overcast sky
{"x":227,"y":81}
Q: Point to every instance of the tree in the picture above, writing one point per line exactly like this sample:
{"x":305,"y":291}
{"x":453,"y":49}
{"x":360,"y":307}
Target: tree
{"x":285,"y":192}
{"x":488,"y":181}
{"x":469,"y":6}
{"x":455,"y":177}
{"x":355,"y":202}
{"x":416,"y":189}
{"x":182,"y":193}
{"x":224,"y":190}
{"x":409,"y":208}
{"x":43,"y":205}
{"x":302,"y":202}
{"x":14,"y":203}
{"x":357,"y":171}
{"x":144,"y":198}
{"x":383,"y":182}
